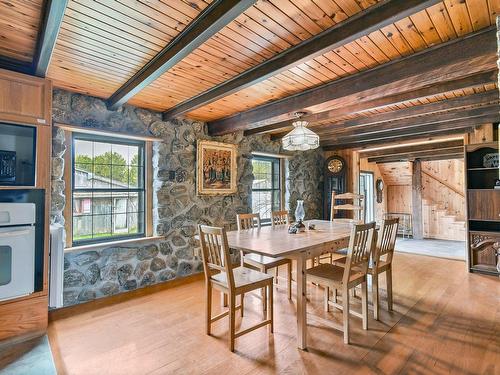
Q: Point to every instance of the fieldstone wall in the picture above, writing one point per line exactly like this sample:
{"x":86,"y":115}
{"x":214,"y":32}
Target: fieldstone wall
{"x":177,"y":208}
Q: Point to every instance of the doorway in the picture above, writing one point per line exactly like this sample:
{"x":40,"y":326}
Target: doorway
{"x":366,"y":188}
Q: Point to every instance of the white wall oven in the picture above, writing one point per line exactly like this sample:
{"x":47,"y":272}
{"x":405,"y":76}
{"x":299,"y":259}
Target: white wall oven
{"x":17,"y":249}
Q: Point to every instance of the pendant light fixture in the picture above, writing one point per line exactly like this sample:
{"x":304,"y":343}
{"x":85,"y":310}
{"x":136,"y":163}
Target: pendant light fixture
{"x":300,"y":138}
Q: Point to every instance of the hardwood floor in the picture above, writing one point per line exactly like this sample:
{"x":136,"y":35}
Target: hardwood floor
{"x":444,"y":321}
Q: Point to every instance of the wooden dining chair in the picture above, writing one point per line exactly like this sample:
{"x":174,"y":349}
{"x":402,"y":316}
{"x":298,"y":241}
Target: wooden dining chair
{"x":357,"y":207}
{"x":233,"y":281}
{"x":261,"y":262}
{"x":280,"y":218}
{"x":361,"y":245}
{"x":381,"y":261}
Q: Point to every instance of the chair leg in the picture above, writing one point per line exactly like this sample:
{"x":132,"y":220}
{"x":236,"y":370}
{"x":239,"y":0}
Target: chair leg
{"x":223,"y":299}
{"x":326,"y":298}
{"x":209,"y":308}
{"x":375,"y":295}
{"x":276,"y":275}
{"x":388,"y":276}
{"x":242,"y":303}
{"x":364,"y":304}
{"x":270,"y":310}
{"x":232,"y":320}
{"x":289,"y":276}
{"x":345,"y":313}
{"x":264,"y":300}
{"x":335,"y":295}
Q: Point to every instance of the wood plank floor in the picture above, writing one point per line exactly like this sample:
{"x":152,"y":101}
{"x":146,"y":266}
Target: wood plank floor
{"x":445,"y":321}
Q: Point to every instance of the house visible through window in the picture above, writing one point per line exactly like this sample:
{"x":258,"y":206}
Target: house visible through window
{"x":266,"y":189}
{"x":108,"y":189}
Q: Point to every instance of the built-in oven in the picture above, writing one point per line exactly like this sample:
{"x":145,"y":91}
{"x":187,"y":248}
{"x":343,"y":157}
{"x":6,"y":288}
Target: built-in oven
{"x":17,"y":249}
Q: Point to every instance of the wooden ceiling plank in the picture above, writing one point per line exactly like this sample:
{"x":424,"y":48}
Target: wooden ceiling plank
{"x":51,"y":23}
{"x":417,"y":155}
{"x":362,"y":24}
{"x":478,"y":12}
{"x":457,"y":9}
{"x":494,"y":8}
{"x":412,"y":148}
{"x":459,"y":53}
{"x":442,"y":21}
{"x":423,"y":23}
{"x":209,"y":22}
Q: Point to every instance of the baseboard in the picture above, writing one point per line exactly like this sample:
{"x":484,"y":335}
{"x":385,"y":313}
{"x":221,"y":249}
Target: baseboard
{"x":65,"y":312}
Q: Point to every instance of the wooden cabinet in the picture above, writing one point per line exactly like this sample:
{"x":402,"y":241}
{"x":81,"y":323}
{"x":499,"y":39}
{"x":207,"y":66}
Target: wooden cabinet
{"x":25,"y":99}
{"x":483,"y":209}
{"x":484,"y":205}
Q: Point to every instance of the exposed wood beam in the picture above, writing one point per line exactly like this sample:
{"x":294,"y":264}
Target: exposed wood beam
{"x":402,"y":150}
{"x":416,"y":155}
{"x":355,"y":27}
{"x":459,"y":155}
{"x":467,"y":55}
{"x":49,"y":30}
{"x":416,"y":201}
{"x":409,"y":123}
{"x":420,"y":137}
{"x":16,"y":65}
{"x":473,"y":80}
{"x":208,"y":23}
{"x":483,"y":98}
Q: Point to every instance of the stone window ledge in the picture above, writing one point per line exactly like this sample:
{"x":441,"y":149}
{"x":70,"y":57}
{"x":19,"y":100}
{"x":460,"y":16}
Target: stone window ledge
{"x":104,"y":245}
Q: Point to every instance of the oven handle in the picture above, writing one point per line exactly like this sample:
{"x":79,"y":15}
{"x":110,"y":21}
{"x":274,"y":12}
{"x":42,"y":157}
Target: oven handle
{"x":15,"y":233}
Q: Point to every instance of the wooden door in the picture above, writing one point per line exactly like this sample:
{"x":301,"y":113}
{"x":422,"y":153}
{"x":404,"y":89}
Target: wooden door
{"x":484,"y":205}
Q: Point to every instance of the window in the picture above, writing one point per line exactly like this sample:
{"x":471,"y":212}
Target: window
{"x":266,"y":187}
{"x":108,"y":191}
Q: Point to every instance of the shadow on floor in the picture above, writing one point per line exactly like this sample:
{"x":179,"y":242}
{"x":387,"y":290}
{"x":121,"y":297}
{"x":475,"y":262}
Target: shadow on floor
{"x":26,"y":358}
{"x":437,"y":248}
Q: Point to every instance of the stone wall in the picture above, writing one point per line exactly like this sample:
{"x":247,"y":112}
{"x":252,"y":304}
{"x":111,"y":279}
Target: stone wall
{"x":177,"y":208}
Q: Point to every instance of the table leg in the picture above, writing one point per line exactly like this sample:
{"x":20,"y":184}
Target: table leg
{"x":301,"y":303}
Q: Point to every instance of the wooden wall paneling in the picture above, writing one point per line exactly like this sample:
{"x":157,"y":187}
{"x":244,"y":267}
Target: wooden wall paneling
{"x":25,"y":99}
{"x":24,"y":318}
{"x":484,"y":205}
{"x":380,"y":208}
{"x":399,"y":199}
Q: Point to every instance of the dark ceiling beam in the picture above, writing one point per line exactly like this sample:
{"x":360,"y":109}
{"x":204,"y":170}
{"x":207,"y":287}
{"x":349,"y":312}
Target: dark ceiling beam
{"x":421,"y":137}
{"x":49,"y":30}
{"x":16,"y":65}
{"x":402,"y":150}
{"x":355,"y":27}
{"x":417,"y":155}
{"x":409,"y":123}
{"x":338,"y":127}
{"x":467,"y":55}
{"x":208,"y":23}
{"x":473,"y":80}
{"x":416,"y":132}
{"x":459,"y":155}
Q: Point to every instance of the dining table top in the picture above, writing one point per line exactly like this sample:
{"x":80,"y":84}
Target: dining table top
{"x":275,"y":241}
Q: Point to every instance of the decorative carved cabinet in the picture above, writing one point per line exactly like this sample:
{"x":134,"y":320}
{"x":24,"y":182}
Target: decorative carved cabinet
{"x":483,"y":209}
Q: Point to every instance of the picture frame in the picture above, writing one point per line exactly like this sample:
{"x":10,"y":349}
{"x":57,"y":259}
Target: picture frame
{"x":216,"y":167}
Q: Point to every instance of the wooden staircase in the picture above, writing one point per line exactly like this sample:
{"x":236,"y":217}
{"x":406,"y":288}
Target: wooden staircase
{"x":439,"y":223}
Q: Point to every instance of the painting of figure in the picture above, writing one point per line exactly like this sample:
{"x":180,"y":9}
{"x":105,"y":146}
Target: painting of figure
{"x":216,"y":164}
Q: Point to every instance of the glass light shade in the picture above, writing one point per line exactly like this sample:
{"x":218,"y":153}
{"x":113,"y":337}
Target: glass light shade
{"x":299,"y":211}
{"x":300,"y":138}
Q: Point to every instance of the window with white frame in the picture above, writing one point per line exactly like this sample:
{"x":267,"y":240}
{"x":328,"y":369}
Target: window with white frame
{"x":266,"y":187}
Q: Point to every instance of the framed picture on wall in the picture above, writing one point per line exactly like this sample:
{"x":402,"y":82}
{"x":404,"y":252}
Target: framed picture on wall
{"x":216,"y":168}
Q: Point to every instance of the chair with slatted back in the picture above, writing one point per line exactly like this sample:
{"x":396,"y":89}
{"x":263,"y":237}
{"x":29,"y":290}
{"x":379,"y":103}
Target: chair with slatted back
{"x":262,"y":262}
{"x":357,"y":207}
{"x":381,"y":261}
{"x":280,"y":218}
{"x":233,"y":281}
{"x":361,"y":245}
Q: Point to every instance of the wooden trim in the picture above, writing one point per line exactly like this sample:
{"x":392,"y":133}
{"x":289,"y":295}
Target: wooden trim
{"x":431,"y":62}
{"x":209,"y":22}
{"x":15,"y":65}
{"x":69,"y":311}
{"x":103,"y":245}
{"x":271,"y":155}
{"x":68,"y":180}
{"x":47,"y":37}
{"x":398,"y":150}
{"x":130,"y":136}
{"x":428,"y":155}
{"x":416,"y":200}
{"x":473,"y":80}
{"x":372,"y":19}
{"x":149,"y":188}
{"x":282,"y":184}
{"x":444,"y":183}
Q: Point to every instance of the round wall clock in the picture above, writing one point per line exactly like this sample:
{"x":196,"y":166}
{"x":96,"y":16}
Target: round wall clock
{"x":335,"y":165}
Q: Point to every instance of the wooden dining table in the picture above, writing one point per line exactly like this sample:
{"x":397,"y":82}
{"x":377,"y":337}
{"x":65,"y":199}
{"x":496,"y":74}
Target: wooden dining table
{"x":327,"y":237}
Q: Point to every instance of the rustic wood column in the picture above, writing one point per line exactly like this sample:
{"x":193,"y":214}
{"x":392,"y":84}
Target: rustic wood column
{"x":416,"y":200}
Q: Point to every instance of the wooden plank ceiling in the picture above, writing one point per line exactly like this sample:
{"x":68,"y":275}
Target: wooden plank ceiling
{"x":19,"y":26}
{"x":102,"y":44}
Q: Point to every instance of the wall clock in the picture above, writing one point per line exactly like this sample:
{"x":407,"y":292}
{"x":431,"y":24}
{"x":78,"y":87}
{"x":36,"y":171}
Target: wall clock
{"x":334,"y":180}
{"x":379,"y":186}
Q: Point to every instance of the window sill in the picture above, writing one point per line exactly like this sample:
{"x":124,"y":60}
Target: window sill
{"x":103,"y":245}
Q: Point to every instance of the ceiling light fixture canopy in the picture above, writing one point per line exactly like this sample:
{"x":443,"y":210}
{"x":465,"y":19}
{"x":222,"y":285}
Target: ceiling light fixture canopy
{"x":300,"y":138}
